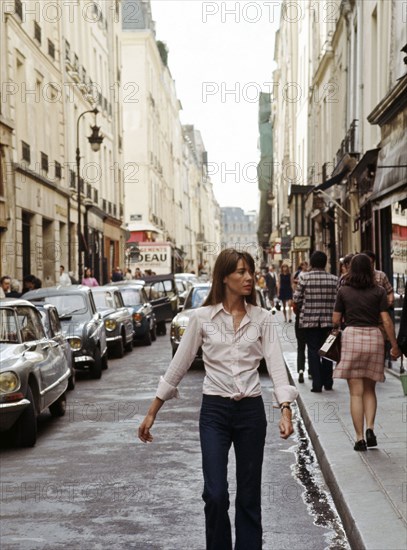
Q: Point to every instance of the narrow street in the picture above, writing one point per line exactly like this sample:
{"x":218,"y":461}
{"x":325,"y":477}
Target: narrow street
{"x":89,"y":483}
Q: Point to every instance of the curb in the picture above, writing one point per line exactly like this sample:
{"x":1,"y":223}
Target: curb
{"x":352,"y":532}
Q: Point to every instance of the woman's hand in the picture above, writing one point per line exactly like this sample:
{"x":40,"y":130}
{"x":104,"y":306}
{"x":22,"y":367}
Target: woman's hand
{"x":395,"y":352}
{"x":285,"y":424}
{"x":144,"y":429}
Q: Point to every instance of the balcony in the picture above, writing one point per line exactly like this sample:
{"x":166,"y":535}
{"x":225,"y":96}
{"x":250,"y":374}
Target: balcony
{"x":348,"y":143}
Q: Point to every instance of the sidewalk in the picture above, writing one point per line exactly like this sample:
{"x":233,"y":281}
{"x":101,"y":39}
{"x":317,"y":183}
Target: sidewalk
{"x":369,"y":489}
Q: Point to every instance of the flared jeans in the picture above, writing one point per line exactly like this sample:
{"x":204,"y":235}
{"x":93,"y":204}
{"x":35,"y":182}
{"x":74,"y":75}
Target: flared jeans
{"x":243,"y":423}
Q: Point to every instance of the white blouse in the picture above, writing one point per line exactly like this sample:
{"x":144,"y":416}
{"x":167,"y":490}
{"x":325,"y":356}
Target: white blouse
{"x":231,"y":358}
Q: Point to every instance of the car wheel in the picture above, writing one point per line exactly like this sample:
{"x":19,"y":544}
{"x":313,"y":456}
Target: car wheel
{"x":26,"y":425}
{"x":129,"y":345}
{"x":58,"y":408}
{"x":72,"y":380}
{"x":105,"y":362}
{"x":147,"y":338}
{"x":161,"y":328}
{"x":153,"y":333}
{"x":119,"y":349}
{"x":96,"y":368}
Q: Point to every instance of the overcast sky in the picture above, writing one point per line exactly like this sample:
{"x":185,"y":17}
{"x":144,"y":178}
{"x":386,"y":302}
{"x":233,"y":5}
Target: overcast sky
{"x":213,"y":52}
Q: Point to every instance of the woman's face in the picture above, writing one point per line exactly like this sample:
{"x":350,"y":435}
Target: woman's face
{"x":241,"y":281}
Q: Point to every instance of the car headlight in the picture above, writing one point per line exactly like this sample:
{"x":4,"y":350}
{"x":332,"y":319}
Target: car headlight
{"x":75,"y":343}
{"x":9,"y":382}
{"x":110,"y":324}
{"x":137,"y":317}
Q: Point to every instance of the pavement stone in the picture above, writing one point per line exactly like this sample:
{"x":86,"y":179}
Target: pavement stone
{"x":369,"y":489}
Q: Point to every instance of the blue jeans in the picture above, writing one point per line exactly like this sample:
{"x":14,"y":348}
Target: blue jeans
{"x":222,"y":422}
{"x":319,"y":367}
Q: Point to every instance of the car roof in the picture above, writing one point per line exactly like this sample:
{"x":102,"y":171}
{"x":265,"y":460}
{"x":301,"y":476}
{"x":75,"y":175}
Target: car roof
{"x":158,"y":278}
{"x":104,"y":288}
{"x":56,"y":291}
{"x":10,"y":302}
{"x":133,"y":282}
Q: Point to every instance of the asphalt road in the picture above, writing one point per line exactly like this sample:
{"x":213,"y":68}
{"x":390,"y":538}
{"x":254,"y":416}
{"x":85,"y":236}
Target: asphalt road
{"x":90,"y":484}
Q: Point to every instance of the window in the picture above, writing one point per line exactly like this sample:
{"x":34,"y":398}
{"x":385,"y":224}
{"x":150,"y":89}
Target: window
{"x":72,"y":179}
{"x":51,"y":49}
{"x":37,"y":32}
{"x":26,"y":152}
{"x":67,"y":51}
{"x":44,"y":162}
{"x":18,"y":6}
{"x":58,"y":170}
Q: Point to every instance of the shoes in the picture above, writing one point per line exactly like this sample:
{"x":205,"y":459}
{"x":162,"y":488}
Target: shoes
{"x":301,"y":377}
{"x":273,"y":311}
{"x":328,"y":388}
{"x":309,"y":376}
{"x":316,"y":391}
{"x":371,"y":440}
{"x":290,"y":320}
{"x":360,"y":445}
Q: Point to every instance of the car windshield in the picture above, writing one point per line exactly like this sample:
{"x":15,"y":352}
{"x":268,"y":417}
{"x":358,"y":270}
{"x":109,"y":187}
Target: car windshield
{"x":8,"y":327}
{"x":68,"y":304}
{"x":196,"y":297}
{"x":104,"y":300}
{"x":131,"y":296}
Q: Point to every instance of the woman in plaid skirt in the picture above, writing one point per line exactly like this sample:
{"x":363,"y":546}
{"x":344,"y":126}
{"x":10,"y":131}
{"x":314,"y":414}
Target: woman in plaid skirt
{"x":362,"y":304}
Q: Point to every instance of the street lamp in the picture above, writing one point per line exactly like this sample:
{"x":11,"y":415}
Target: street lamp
{"x":95,"y":140}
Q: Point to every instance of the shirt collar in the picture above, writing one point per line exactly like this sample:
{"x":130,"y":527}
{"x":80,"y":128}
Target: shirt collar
{"x":219,"y":307}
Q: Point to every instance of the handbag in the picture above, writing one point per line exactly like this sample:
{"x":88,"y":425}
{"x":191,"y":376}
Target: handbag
{"x":331,"y":348}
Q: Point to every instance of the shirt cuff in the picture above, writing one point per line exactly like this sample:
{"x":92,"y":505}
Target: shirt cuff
{"x":165,"y":391}
{"x":286,"y":393}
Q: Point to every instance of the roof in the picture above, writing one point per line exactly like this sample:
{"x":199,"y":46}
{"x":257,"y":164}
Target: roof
{"x":56,"y":291}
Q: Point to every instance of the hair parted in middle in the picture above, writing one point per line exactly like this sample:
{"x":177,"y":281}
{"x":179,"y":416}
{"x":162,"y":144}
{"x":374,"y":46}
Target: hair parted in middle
{"x":226,"y":263}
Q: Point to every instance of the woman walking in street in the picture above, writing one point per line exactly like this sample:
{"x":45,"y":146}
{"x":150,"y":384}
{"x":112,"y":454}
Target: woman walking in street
{"x":88,"y":279}
{"x":285,"y":291}
{"x":234,"y":334}
{"x":362,"y":303}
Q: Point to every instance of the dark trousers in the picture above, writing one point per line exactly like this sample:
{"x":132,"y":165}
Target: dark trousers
{"x":320,"y":368}
{"x":222,"y":422}
{"x":301,"y":343}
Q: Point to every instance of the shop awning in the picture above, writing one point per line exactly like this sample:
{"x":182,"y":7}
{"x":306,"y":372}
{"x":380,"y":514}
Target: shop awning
{"x":332,"y":181}
{"x":142,"y":226}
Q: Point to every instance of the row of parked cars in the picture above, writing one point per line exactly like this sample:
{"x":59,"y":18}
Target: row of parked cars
{"x":54,"y":332}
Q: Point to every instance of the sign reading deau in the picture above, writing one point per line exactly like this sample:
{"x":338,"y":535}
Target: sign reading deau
{"x":301,"y":243}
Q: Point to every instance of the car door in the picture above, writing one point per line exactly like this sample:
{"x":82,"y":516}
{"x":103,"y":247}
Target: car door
{"x":160,"y":301}
{"x":59,"y":338}
{"x":124,"y":315}
{"x":42,"y":351}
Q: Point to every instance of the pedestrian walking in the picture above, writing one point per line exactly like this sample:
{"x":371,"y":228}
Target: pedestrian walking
{"x":362,"y":302}
{"x":64,"y":278}
{"x":271,"y":284}
{"x":5,"y":283}
{"x":344,"y":268}
{"x":301,"y":268}
{"x":285,"y":291}
{"x":128,"y":276}
{"x":232,"y":408}
{"x":88,"y":279}
{"x":15,"y":289}
{"x":117,"y":275}
{"x":316,"y":291}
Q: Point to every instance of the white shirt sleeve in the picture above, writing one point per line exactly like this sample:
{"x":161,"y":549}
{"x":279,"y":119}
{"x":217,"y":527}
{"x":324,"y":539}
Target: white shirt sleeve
{"x":182,"y":360}
{"x":273,"y":356}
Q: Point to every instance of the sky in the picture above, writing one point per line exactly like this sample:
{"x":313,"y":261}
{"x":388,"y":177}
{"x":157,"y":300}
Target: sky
{"x":221,"y":57}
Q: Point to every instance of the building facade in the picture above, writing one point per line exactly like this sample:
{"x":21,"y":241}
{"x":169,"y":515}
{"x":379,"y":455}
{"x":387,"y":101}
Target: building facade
{"x":171,"y":198}
{"x":344,"y":131}
{"x":59,"y":61}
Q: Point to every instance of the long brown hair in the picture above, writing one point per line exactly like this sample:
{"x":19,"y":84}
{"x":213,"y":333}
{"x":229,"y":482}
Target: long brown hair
{"x":226,"y":263}
{"x":360,"y":274}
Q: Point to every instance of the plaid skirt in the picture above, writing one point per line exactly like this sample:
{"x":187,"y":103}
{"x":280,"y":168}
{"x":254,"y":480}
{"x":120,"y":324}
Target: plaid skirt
{"x":362,"y":354}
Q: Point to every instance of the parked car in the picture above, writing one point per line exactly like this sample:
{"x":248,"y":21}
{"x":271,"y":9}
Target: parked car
{"x":195,"y":299}
{"x":188,"y":278}
{"x":144,"y":320}
{"x":33,"y":371}
{"x":53,"y":331}
{"x":182,"y":289}
{"x":81,"y":323}
{"x":162,"y":294}
{"x":116,"y":317}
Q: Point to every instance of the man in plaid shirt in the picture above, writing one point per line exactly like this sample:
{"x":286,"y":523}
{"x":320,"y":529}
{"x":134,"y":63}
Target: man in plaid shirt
{"x":316,"y":295}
